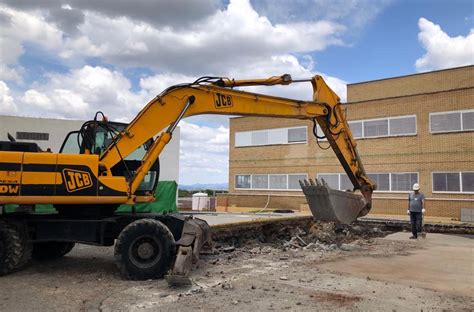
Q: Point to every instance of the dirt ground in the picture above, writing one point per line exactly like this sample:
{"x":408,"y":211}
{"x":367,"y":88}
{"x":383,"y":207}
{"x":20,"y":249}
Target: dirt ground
{"x":322,"y":268}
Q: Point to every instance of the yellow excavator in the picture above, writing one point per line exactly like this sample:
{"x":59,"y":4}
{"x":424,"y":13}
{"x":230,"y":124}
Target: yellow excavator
{"x":93,"y":174}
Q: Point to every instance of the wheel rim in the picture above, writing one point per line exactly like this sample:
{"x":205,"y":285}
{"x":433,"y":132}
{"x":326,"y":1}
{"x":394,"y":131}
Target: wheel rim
{"x":145,"y":251}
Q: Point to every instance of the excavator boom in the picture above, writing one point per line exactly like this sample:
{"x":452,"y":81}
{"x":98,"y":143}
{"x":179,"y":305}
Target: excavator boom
{"x":207,"y":95}
{"x":215,"y":95}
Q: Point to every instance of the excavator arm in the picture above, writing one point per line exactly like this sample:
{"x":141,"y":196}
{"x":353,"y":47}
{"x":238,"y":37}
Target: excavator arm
{"x":214,"y":95}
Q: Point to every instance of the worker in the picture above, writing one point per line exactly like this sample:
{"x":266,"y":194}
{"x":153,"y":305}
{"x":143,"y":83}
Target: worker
{"x":416,"y":209}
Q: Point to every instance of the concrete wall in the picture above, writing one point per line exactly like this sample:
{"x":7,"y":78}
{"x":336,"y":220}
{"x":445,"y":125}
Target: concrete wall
{"x":56,"y":128}
{"x":419,"y":95}
{"x":59,"y":128}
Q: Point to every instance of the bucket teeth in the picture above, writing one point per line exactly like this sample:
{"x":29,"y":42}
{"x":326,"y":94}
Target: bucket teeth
{"x":327,"y":204}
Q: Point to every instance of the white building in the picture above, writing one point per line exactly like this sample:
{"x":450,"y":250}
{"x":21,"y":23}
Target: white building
{"x":50,"y":133}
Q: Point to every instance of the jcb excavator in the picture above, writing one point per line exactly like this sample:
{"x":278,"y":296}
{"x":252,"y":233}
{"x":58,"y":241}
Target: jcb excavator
{"x":93,"y":175}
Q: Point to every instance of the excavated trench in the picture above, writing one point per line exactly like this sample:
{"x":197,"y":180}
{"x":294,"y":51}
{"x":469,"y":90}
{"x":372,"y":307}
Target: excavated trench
{"x":293,"y":233}
{"x":304,"y":232}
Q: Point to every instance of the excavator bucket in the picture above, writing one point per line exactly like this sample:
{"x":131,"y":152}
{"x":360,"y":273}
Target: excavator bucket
{"x":327,"y":204}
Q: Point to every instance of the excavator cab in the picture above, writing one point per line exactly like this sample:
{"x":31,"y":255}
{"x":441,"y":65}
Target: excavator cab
{"x":95,"y":137}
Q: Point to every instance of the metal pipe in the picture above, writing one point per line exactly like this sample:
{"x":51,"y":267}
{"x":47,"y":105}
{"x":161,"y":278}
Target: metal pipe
{"x":189,"y":102}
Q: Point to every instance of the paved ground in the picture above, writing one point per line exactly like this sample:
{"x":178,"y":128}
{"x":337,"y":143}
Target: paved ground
{"x":387,"y":274}
{"x":215,"y":218}
{"x":439,"y":262}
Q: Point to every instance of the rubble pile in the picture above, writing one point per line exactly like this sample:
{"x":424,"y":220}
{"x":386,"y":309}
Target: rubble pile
{"x":316,"y":236}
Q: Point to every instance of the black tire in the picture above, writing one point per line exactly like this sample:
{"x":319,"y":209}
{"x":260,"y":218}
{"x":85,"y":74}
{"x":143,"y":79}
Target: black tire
{"x":51,"y":250}
{"x":145,"y":249}
{"x":15,"y":251}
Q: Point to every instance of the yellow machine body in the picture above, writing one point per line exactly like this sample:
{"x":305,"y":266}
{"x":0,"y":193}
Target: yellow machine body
{"x":50,"y":178}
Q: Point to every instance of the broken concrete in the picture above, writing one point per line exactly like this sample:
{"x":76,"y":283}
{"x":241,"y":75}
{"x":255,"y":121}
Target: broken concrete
{"x":258,"y":272}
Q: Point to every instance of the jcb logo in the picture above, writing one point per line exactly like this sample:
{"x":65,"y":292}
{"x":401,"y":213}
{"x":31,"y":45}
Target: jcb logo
{"x":76,"y":180}
{"x":9,"y":189}
{"x":222,"y":101}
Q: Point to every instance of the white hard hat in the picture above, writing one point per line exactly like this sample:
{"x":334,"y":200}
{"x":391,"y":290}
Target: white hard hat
{"x":416,"y":187}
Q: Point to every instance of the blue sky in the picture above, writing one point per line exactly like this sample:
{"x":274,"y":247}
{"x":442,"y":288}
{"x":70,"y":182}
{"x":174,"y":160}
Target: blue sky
{"x":68,"y":59}
{"x":389,"y":46}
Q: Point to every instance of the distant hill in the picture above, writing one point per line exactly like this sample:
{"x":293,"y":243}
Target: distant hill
{"x":204,"y":186}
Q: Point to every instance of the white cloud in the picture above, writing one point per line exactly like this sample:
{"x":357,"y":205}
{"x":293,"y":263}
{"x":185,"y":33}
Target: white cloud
{"x":204,"y":154}
{"x":17,"y":29}
{"x":81,"y":92}
{"x":7,"y":104}
{"x":228,"y":38}
{"x":172,"y":13}
{"x":443,"y":51}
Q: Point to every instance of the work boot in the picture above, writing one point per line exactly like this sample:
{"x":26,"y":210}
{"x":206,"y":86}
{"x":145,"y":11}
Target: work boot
{"x":413,"y":237}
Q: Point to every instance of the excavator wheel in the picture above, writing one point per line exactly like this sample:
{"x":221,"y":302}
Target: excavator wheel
{"x":15,"y":250}
{"x":145,"y":249}
{"x":51,"y":250}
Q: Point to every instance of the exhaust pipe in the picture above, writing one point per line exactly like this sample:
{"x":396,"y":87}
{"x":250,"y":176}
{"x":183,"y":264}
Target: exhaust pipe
{"x":327,"y":204}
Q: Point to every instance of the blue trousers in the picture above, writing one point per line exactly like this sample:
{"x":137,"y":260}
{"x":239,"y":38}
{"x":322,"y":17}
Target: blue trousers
{"x":415,"y":220}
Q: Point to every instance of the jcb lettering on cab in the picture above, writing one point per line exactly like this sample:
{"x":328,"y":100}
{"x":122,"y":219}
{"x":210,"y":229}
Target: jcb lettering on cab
{"x":76,"y":180}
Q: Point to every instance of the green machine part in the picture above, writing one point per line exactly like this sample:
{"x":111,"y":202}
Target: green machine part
{"x":165,"y":202}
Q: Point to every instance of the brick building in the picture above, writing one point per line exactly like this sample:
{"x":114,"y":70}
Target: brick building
{"x":415,"y":128}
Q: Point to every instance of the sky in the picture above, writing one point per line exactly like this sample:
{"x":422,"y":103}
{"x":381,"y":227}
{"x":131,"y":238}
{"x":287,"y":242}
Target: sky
{"x":69,"y":59}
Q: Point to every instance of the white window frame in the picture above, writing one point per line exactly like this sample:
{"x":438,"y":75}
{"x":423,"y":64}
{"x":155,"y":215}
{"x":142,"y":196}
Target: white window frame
{"x":375,"y":136}
{"x":287,"y":189}
{"x":270,"y":144}
{"x":450,"y":112}
{"x":377,"y":191}
{"x":242,"y":188}
{"x":363,"y":137}
{"x":318,"y":176}
{"x":402,"y":192}
{"x":404,"y":134}
{"x":388,"y":125}
{"x":450,"y":192}
{"x":299,"y":142}
{"x":389,"y":182}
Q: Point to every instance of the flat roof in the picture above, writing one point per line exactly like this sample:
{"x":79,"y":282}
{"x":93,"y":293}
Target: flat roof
{"x":409,"y":75}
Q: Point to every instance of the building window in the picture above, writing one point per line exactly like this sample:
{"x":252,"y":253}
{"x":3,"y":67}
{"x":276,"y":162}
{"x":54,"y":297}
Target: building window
{"x":271,"y":137}
{"x":332,"y":179}
{"x":36,"y":136}
{"x":467,"y":179}
{"x":356,"y":128}
{"x":337,"y":181}
{"x":382,"y":180}
{"x":452,"y":121}
{"x":297,"y":135}
{"x":382,"y":127}
{"x":386,"y":182}
{"x":260,"y":181}
{"x":400,"y":182}
{"x":453,"y":182}
{"x":270,"y":181}
{"x":375,"y":128}
{"x":278,"y":181}
{"x":294,"y":181}
{"x":242,"y":181}
{"x":260,"y":138}
{"x":402,"y":125}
